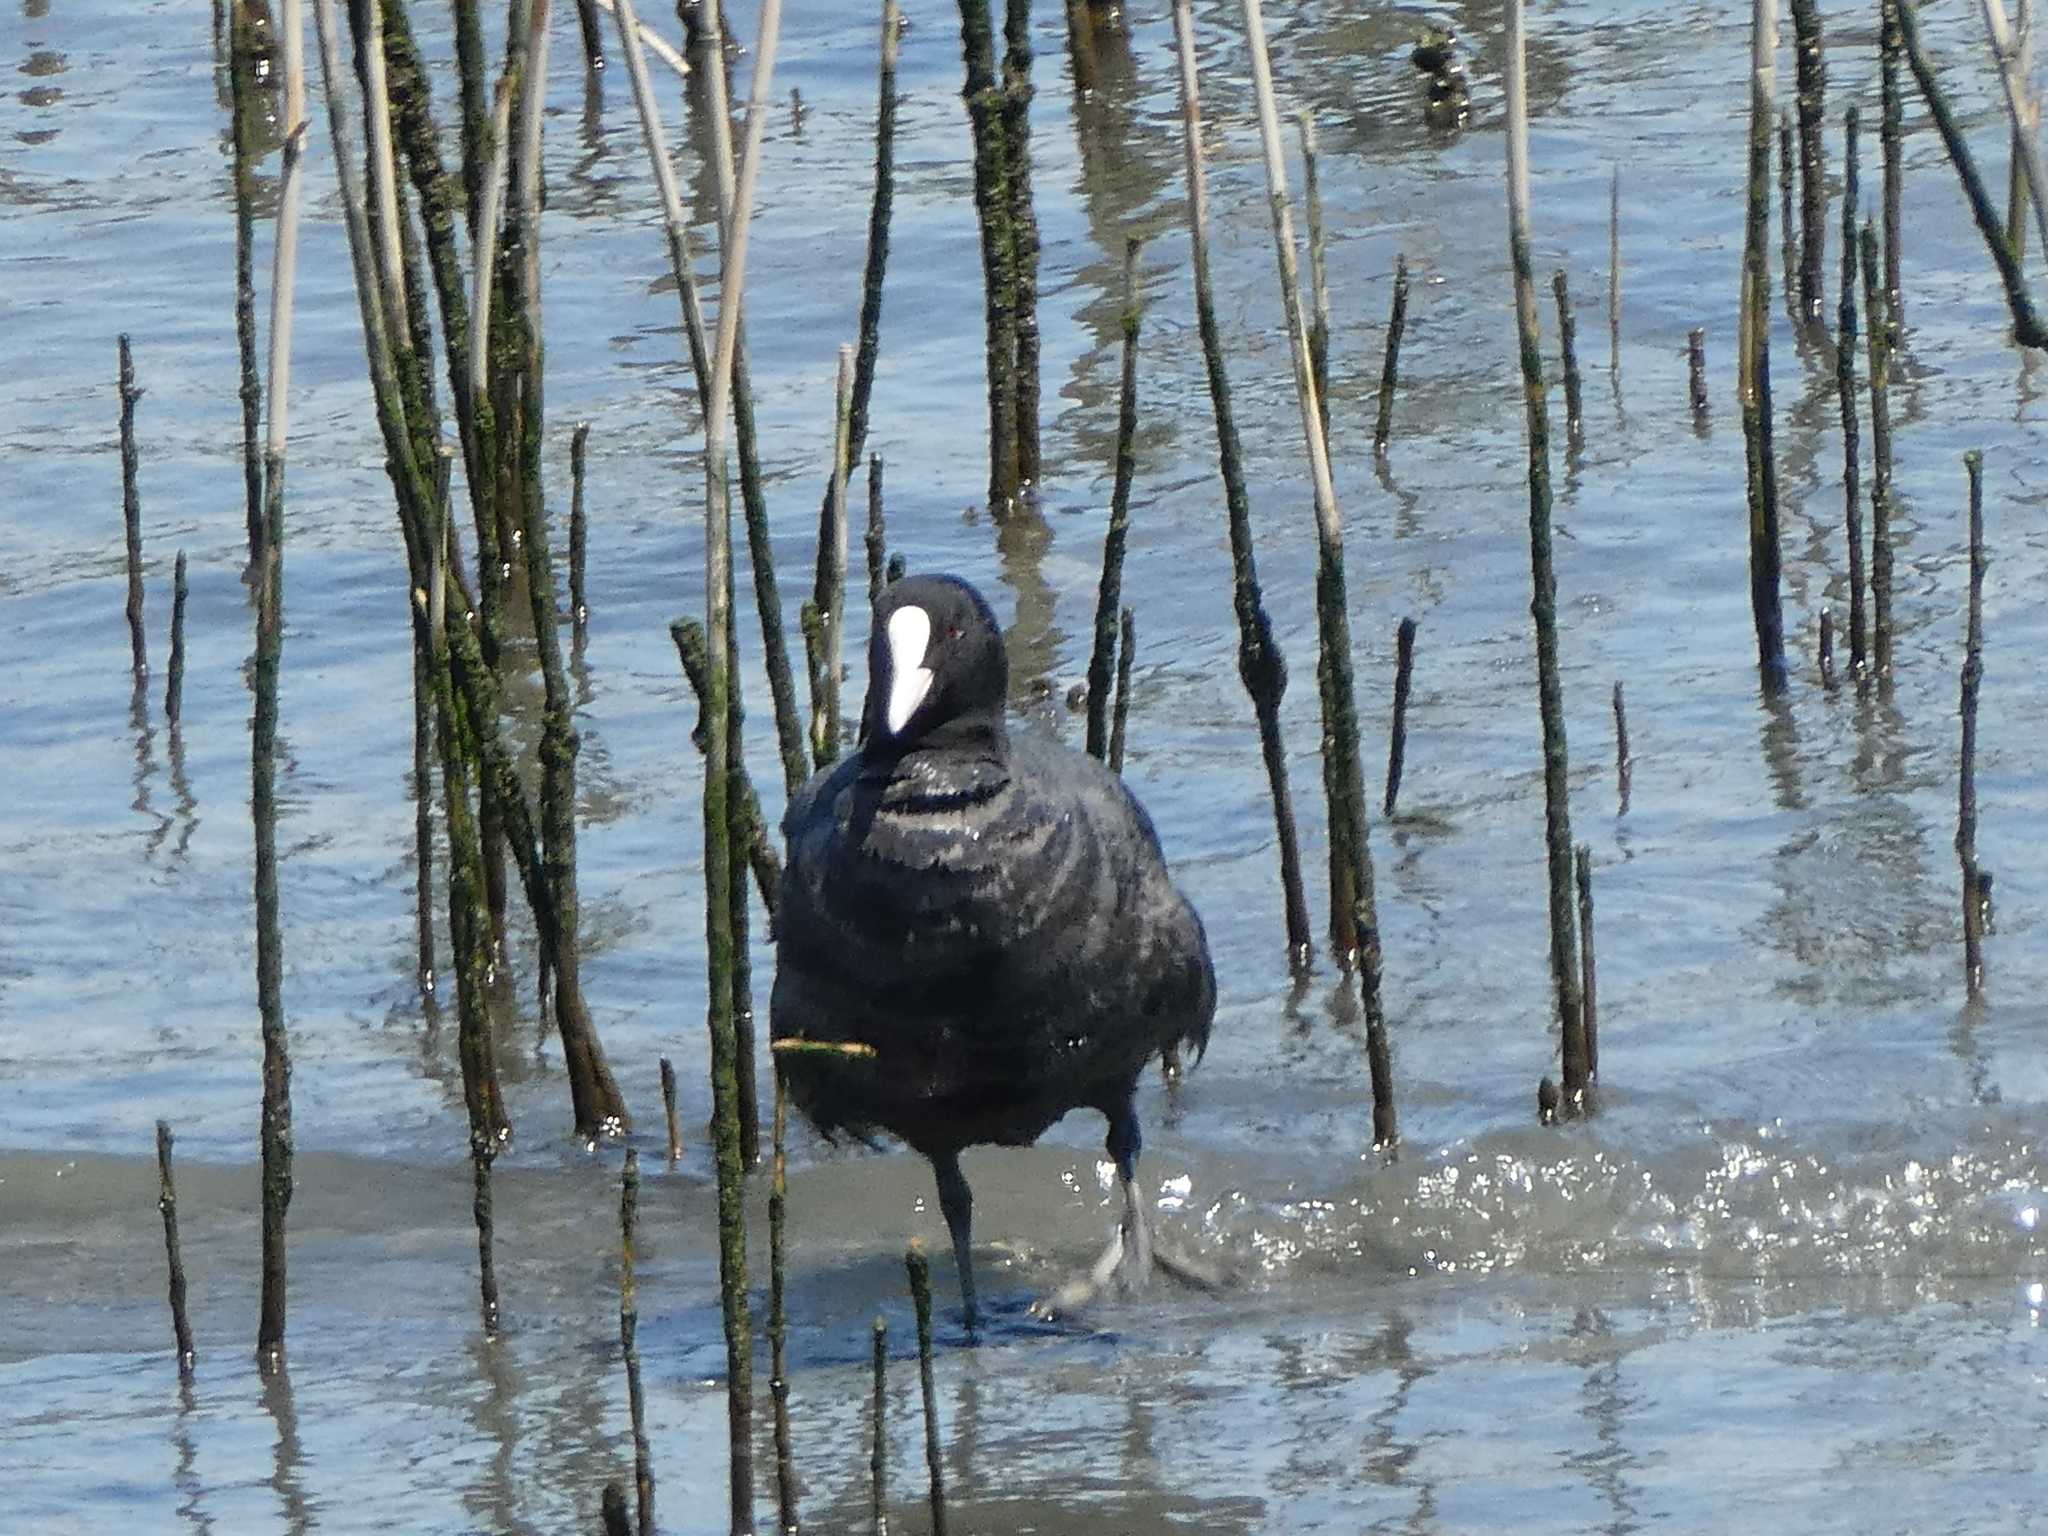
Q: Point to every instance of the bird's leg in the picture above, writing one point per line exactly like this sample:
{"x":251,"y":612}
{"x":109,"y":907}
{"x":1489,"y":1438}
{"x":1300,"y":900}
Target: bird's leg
{"x":956,"y":1200}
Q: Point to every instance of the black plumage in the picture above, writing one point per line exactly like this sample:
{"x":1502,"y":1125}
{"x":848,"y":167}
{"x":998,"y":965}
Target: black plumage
{"x":989,"y":912}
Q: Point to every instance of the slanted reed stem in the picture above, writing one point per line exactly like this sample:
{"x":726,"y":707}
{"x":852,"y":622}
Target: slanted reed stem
{"x":1260,"y":664}
{"x":131,"y":509}
{"x":1128,"y":630}
{"x":1564,"y":971}
{"x":167,"y":1204}
{"x":1754,"y":363}
{"x":921,"y":1301}
{"x":2019,"y":62}
{"x":1109,"y":593}
{"x":1318,"y":270}
{"x":1845,"y":387}
{"x":754,"y":847}
{"x":1966,"y":782}
{"x":1397,"y":321}
{"x":1397,"y":738}
{"x":829,"y":590}
{"x":668,"y":1106}
{"x":1624,"y":762}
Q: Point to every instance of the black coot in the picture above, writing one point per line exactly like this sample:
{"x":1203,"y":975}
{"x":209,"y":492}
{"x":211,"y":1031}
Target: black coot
{"x":989,"y":912}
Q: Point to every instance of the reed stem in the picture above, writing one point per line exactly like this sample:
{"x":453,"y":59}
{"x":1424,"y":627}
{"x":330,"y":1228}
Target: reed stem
{"x":174,"y":683}
{"x":1023,"y":225}
{"x":1582,"y":871}
{"x":629,"y":1328}
{"x":1880,"y":331}
{"x":829,"y":590}
{"x":244,"y":107}
{"x":876,"y":264}
{"x":668,"y":1106}
{"x":1109,"y":592}
{"x":876,"y":542}
{"x":921,"y":1300}
{"x":983,"y":94}
{"x":579,"y":530}
{"x":1318,"y":271}
{"x":1568,"y":350}
{"x":1966,"y":783}
{"x":131,"y":509}
{"x":167,"y":1204}
{"x":1128,"y":629}
{"x":1696,"y":373}
{"x":1397,"y":738}
{"x":1614,"y":277}
{"x":2019,"y":61}
{"x":1845,"y":388}
{"x":1624,"y":762}
{"x":1891,"y":138}
{"x":1397,"y":321}
{"x":1812,"y":70}
{"x":1754,"y":364}
{"x":1260,"y":664}
{"x":878,"y":1455}
{"x":778,"y":1311}
{"x":758,"y":852}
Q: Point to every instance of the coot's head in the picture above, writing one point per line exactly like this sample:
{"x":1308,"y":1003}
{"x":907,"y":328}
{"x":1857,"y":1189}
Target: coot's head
{"x":936,"y":668}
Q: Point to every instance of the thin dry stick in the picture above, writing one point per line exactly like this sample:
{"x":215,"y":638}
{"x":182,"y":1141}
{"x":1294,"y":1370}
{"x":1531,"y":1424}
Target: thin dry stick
{"x":276,"y":1120}
{"x":1260,"y":665}
{"x":1966,"y":786}
{"x":131,"y":509}
{"x":717,"y":767}
{"x":1397,"y":321}
{"x":486,"y":260}
{"x":1397,"y":738}
{"x":1109,"y":590}
{"x":1754,"y":361}
{"x":629,"y":1328}
{"x":1845,"y":387}
{"x":668,"y":1106}
{"x":1880,"y":331}
{"x":829,"y":590}
{"x":2021,"y":107}
{"x":1543,"y":578}
{"x":921,"y":1301}
{"x":1127,"y":626}
{"x":878,"y":1455}
{"x":174,"y":683}
{"x":778,"y":1308}
{"x":1624,"y":762}
{"x":167,"y":1203}
{"x":1582,"y":869}
{"x":383,"y":167}
{"x":1318,"y":274}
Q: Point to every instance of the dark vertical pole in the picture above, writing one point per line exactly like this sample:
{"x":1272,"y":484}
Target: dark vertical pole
{"x":629,"y":1328}
{"x":1966,"y":787}
{"x":1397,"y":738}
{"x":778,"y":1311}
{"x":1624,"y":764}
{"x":668,"y":1105}
{"x":1390,"y":370}
{"x":1813,"y":193}
{"x":1754,"y":364}
{"x":1891,"y":136}
{"x":579,"y":530}
{"x":921,"y":1300}
{"x":1845,"y":387}
{"x":174,"y":684}
{"x":1568,"y":352}
{"x":1881,"y":329}
{"x":1109,"y":594}
{"x":878,"y":1455}
{"x":1582,"y":870}
{"x":167,"y":1203}
{"x":1023,"y":225}
{"x":131,"y":510}
{"x":1696,"y":373}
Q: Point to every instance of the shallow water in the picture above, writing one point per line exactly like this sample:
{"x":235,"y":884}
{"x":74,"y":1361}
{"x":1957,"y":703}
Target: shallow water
{"x":1793,"y":1273}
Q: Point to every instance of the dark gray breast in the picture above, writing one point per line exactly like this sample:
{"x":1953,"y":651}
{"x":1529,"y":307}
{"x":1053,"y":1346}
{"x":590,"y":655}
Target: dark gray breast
{"x":1003,"y":933}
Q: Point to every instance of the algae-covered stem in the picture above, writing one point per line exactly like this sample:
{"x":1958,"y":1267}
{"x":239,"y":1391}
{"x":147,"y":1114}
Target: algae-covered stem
{"x":668,"y":1107}
{"x":1696,"y":373}
{"x":878,"y":1446}
{"x":579,"y":529}
{"x":1891,"y":138}
{"x":1543,"y":579}
{"x":778,"y":1310}
{"x":1966,"y":782}
{"x":758,"y":852}
{"x":1827,"y":647}
{"x":732,"y":1255}
{"x":275,"y":1129}
{"x":1109,"y":591}
{"x":876,"y":543}
{"x":1845,"y":387}
{"x":1753,"y":362}
{"x":1810,"y":65}
{"x":1788,"y":225}
{"x":1023,"y":223}
{"x":1397,"y":321}
{"x":1397,"y":737}
{"x":1568,"y":357}
{"x":167,"y":1204}
{"x":1318,"y":269}
{"x":1582,"y":873}
{"x":131,"y":508}
{"x":921,"y":1302}
{"x":829,"y":589}
{"x":1119,"y":720}
{"x":984,"y":97}
{"x":174,"y":681}
{"x":1624,"y":763}
{"x":629,"y":1328}
{"x":2026,"y":322}
{"x":243,"y":107}
{"x":1354,"y":926}
{"x":2023,"y":110}
{"x":1880,"y":331}
{"x":1260,"y":665}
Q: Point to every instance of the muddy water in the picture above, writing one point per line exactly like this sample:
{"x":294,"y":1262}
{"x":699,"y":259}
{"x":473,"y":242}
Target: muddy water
{"x":1792,"y":1274}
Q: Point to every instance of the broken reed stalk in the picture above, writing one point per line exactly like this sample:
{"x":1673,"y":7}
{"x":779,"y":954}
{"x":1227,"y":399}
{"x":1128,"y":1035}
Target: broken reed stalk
{"x":876,"y":542}
{"x":1624,"y":762}
{"x":1557,"y":822}
{"x":1023,"y":221}
{"x":1827,"y":648}
{"x":1753,"y":365}
{"x":243,"y":108}
{"x":1812,"y":73}
{"x":167,"y":1204}
{"x":1614,"y":277}
{"x":1845,"y":388}
{"x":718,"y":825}
{"x":2022,"y":109}
{"x":1109,"y":592}
{"x":174,"y":682}
{"x":1582,"y":873}
{"x":1696,"y":373}
{"x":878,"y":1454}
{"x":1891,"y":138}
{"x":920,"y":1271}
{"x":612,"y":1511}
{"x":1318,"y":270}
{"x":1260,"y":665}
{"x":756,"y":848}
{"x":579,"y":530}
{"x":275,"y":1129}
{"x":1966,"y":783}
{"x":1568,"y":350}
{"x":778,"y":1309}
{"x":1880,"y":332}
{"x":1127,"y":626}
{"x":828,"y":592}
{"x":1397,"y":738}
{"x":131,"y":509}
{"x":983,"y":94}
{"x":593,"y":34}
{"x":1788,"y":227}
{"x":668,"y":1108}
{"x":629,"y":1328}
{"x":1397,"y":321}
{"x":2028,"y":126}
{"x":1353,"y":925}
{"x":2027,"y":326}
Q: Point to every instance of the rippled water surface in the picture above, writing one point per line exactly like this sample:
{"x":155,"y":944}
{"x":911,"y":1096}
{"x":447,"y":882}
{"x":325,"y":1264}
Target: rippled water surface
{"x":1791,"y":1276}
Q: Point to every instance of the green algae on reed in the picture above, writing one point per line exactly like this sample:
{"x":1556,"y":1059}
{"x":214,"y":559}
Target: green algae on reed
{"x":1109,"y":591}
{"x":778,"y":1310}
{"x":1260,"y":665}
{"x":1564,"y":971}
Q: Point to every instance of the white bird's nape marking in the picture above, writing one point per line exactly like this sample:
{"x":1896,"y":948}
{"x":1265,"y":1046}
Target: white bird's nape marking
{"x":910,"y":632}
